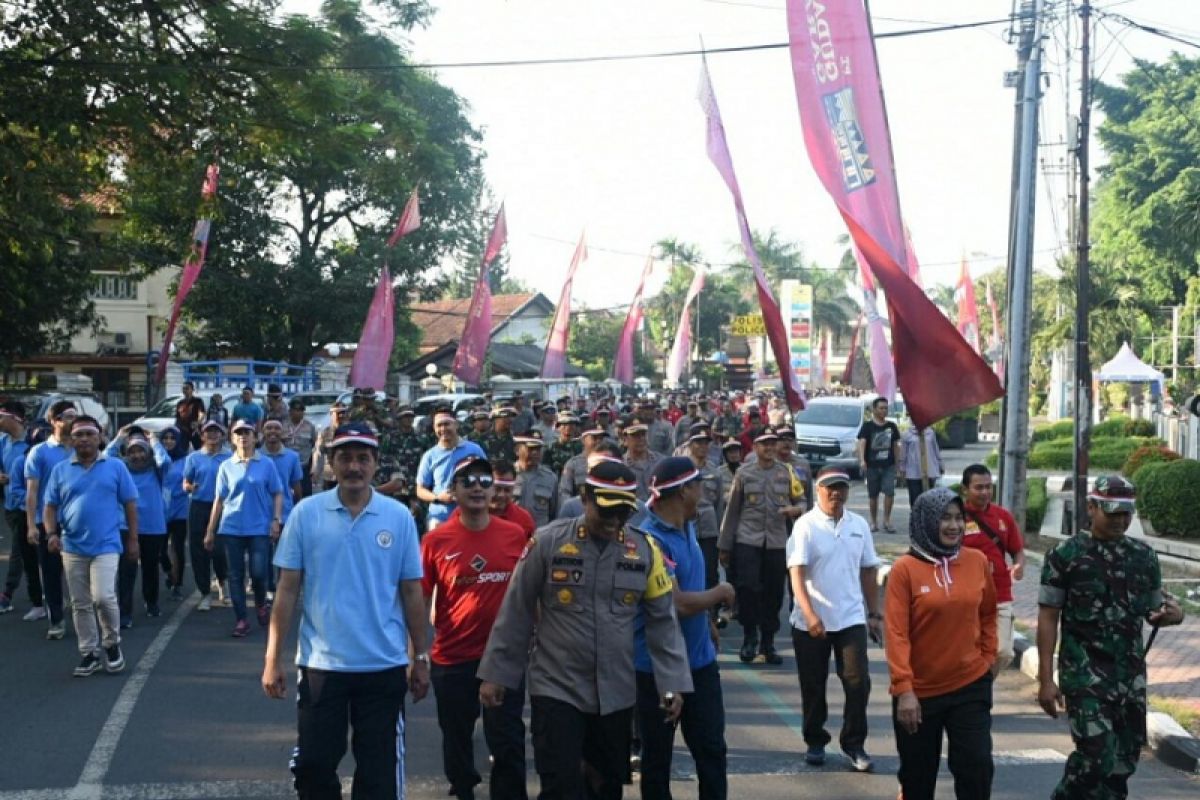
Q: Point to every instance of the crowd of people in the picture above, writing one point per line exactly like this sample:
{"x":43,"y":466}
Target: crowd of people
{"x":585,"y":553}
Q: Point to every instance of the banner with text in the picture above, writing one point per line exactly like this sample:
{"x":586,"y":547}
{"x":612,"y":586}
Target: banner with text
{"x":795,"y":303}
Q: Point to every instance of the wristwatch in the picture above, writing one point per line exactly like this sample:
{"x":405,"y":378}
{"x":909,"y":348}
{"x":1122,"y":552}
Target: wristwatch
{"x":423,"y":658}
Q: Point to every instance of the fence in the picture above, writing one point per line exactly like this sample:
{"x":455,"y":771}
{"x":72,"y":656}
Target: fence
{"x":1181,"y":433}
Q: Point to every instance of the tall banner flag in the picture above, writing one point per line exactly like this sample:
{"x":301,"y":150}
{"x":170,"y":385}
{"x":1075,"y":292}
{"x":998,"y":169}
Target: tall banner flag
{"x":192,"y":266}
{"x":823,"y":360}
{"x":846,"y":135}
{"x":623,"y":363}
{"x":848,"y":371}
{"x":968,"y":311}
{"x":477,"y":331}
{"x":554,"y":360}
{"x":718,"y":153}
{"x":996,"y":340}
{"x":796,"y":305}
{"x":683,"y":336}
{"x":374,"y":351}
{"x":883,"y":366}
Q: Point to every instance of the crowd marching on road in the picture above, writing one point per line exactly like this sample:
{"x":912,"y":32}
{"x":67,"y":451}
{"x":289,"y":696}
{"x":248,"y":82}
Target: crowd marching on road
{"x":583,"y":555}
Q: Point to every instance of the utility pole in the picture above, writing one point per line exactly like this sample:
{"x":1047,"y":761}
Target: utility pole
{"x":1083,"y":281}
{"x":1015,"y":443}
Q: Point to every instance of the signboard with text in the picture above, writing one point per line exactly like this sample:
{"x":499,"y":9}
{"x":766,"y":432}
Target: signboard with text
{"x":748,"y":325}
{"x":796,"y":306}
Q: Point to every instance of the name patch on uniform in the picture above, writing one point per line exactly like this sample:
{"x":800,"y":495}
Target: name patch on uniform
{"x":630,"y":567}
{"x":383,"y":539}
{"x":563,"y":561}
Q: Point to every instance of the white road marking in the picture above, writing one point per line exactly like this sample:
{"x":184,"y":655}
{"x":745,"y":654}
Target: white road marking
{"x":91,"y":780}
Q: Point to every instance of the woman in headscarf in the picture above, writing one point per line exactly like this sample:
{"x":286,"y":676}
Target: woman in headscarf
{"x":177,"y":447}
{"x":940,"y":618}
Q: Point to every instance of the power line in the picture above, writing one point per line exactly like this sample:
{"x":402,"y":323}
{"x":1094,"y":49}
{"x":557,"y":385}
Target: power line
{"x":531,"y":62}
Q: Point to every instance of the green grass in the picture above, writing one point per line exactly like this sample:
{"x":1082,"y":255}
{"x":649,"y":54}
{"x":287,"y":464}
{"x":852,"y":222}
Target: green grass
{"x":1186,"y":714}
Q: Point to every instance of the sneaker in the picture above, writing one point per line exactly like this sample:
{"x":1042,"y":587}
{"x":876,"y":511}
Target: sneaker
{"x":223,"y":595}
{"x":114,"y":659}
{"x":859,"y":760}
{"x":205,"y":603}
{"x":264,"y":615}
{"x":56,"y":630}
{"x":241,"y":629}
{"x":5,"y":604}
{"x":88,"y":666}
{"x":152,"y":610}
{"x":126,"y":621}
{"x":35,"y":614}
{"x":176,"y":594}
{"x":815,"y":755}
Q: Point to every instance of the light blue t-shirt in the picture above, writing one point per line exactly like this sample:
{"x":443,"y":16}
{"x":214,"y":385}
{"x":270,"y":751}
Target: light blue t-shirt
{"x":247,"y":489}
{"x":173,"y":494}
{"x":251,"y":412}
{"x":39,"y":463}
{"x":14,"y":467}
{"x":201,"y":469}
{"x":436,"y":473}
{"x":152,"y":510}
{"x":287,"y":464}
{"x":353,"y":618}
{"x":90,"y":504}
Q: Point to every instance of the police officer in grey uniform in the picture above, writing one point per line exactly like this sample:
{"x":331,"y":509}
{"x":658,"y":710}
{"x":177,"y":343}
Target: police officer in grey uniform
{"x":710,"y":509}
{"x":762,"y":503}
{"x":582,"y":581}
{"x":537,"y":486}
{"x":575,"y":472}
{"x":640,"y":458}
{"x":660,"y":434}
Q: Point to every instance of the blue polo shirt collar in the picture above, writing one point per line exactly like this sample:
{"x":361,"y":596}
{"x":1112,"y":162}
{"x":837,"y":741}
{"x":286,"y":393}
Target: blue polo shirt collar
{"x":101,"y":456}
{"x":334,"y":503}
{"x":257,"y":456}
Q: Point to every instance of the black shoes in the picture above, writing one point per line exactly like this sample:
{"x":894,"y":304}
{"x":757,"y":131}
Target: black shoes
{"x":749,"y":650}
{"x":114,"y":660}
{"x":88,"y":666}
{"x":770,"y":654}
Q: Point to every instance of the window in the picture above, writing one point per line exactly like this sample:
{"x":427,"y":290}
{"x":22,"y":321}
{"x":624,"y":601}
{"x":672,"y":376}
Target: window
{"x":115,"y":287}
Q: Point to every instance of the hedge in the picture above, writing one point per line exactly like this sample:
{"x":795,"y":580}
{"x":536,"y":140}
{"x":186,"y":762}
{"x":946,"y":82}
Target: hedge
{"x":1036,"y":501}
{"x":1105,"y":453}
{"x":1064,"y":429}
{"x":1169,"y":494}
{"x":1147,"y":455}
{"x":1112,"y":427}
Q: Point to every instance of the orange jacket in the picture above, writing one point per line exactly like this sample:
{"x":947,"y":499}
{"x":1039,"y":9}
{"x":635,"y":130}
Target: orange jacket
{"x":941,"y":623}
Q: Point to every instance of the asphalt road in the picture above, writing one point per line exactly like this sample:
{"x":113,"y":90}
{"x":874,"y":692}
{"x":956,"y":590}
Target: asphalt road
{"x":187,"y":720}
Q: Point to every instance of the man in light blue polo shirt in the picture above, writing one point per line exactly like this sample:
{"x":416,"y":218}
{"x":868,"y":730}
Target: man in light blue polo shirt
{"x":89,"y":499}
{"x":676,"y":487}
{"x":39,"y":463}
{"x":354,"y":554}
{"x":435,"y":473}
{"x":200,"y":482}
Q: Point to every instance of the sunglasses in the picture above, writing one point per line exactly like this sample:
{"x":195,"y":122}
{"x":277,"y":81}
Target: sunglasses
{"x":481,"y":480}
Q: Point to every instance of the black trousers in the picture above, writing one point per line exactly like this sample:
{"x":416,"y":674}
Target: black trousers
{"x":759,"y":575}
{"x":965,"y":716}
{"x":708,"y":549}
{"x":204,"y":562}
{"x":52,"y":578}
{"x":22,"y":560}
{"x":457,"y":691}
{"x":849,"y":649}
{"x":915,"y":490}
{"x":564,"y":737}
{"x":372,"y":704}
{"x":150,"y":550}
{"x":176,"y":550}
{"x":703,"y":725}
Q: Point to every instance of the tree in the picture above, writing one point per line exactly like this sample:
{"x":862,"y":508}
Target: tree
{"x":461,"y":281}
{"x":593,"y":344}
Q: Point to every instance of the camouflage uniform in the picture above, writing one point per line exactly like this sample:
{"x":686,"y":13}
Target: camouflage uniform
{"x":499,"y":445}
{"x":370,"y":414}
{"x":558,"y":453}
{"x":399,"y":455}
{"x":1104,"y":589}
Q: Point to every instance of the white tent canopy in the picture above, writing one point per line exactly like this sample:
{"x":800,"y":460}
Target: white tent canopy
{"x":1125,"y":367}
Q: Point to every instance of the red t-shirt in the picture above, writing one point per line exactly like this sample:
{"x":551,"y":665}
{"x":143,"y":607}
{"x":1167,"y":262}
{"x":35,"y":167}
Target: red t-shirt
{"x":470,"y":571}
{"x":1003,"y":525}
{"x":519,"y":517}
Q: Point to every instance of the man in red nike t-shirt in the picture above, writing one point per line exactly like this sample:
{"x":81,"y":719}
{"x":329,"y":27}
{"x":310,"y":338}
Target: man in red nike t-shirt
{"x":502,"y":501}
{"x":467,"y":562}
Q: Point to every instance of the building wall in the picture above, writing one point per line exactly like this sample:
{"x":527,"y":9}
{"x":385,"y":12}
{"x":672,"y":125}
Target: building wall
{"x":532,"y":323}
{"x":125,"y":305}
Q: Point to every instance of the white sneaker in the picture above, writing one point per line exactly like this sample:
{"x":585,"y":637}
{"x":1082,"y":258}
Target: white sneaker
{"x":205,"y":604}
{"x":36,"y":613}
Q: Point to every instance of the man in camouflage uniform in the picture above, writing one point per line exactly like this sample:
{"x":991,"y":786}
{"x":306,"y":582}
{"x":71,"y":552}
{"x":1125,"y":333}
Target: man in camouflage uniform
{"x":536,"y":490}
{"x":566,"y":446}
{"x":481,"y":426}
{"x":364,"y":409}
{"x":400,"y":451}
{"x":1101,"y":586}
{"x":499,"y":443}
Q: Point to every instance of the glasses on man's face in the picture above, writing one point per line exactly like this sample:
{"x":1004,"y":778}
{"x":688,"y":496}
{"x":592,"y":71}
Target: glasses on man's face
{"x":482,"y":481}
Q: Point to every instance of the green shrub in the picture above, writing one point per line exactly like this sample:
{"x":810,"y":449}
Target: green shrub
{"x":1064,"y":429}
{"x":1144,"y":480}
{"x":1140,"y":427}
{"x":1170,"y":495}
{"x":1035,"y":504}
{"x":992,"y":460}
{"x":1113,"y":426}
{"x":1147,"y":455}
{"x":1105,"y":453}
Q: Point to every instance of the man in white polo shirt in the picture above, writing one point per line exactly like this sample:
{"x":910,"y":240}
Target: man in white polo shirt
{"x":833,"y":567}
{"x":355,"y":555}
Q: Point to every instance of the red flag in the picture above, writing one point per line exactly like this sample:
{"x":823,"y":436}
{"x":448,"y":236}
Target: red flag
{"x":623,"y":363}
{"x":718,"y":153}
{"x":554,"y":360}
{"x":846,"y":135}
{"x":370,"y":364}
{"x":683,"y":335}
{"x":410,"y":220}
{"x":477,"y":331}
{"x":968,"y":311}
{"x":192,"y":266}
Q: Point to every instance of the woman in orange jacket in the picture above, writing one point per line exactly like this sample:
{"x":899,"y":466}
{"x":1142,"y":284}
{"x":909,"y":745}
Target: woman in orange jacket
{"x":940,"y":618}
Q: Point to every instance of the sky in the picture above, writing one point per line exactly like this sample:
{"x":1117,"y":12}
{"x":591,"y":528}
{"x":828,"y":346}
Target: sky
{"x":617,"y":147}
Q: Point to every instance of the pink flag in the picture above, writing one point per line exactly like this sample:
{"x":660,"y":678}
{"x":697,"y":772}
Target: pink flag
{"x":718,"y":153}
{"x":823,"y":360}
{"x":996,"y":340}
{"x":554,"y":360}
{"x":846,"y":135}
{"x":477,"y":331}
{"x":623,"y":363}
{"x":410,"y":220}
{"x":370,"y":365}
{"x":968,"y":311}
{"x":683,"y":336}
{"x":192,"y":266}
{"x":848,"y":372}
{"x":883,"y":366}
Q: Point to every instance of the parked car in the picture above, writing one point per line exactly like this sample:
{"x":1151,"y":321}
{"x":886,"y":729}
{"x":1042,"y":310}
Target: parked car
{"x":316,"y":405}
{"x":37,"y":405}
{"x":827,"y":431}
{"x":162,"y":413}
